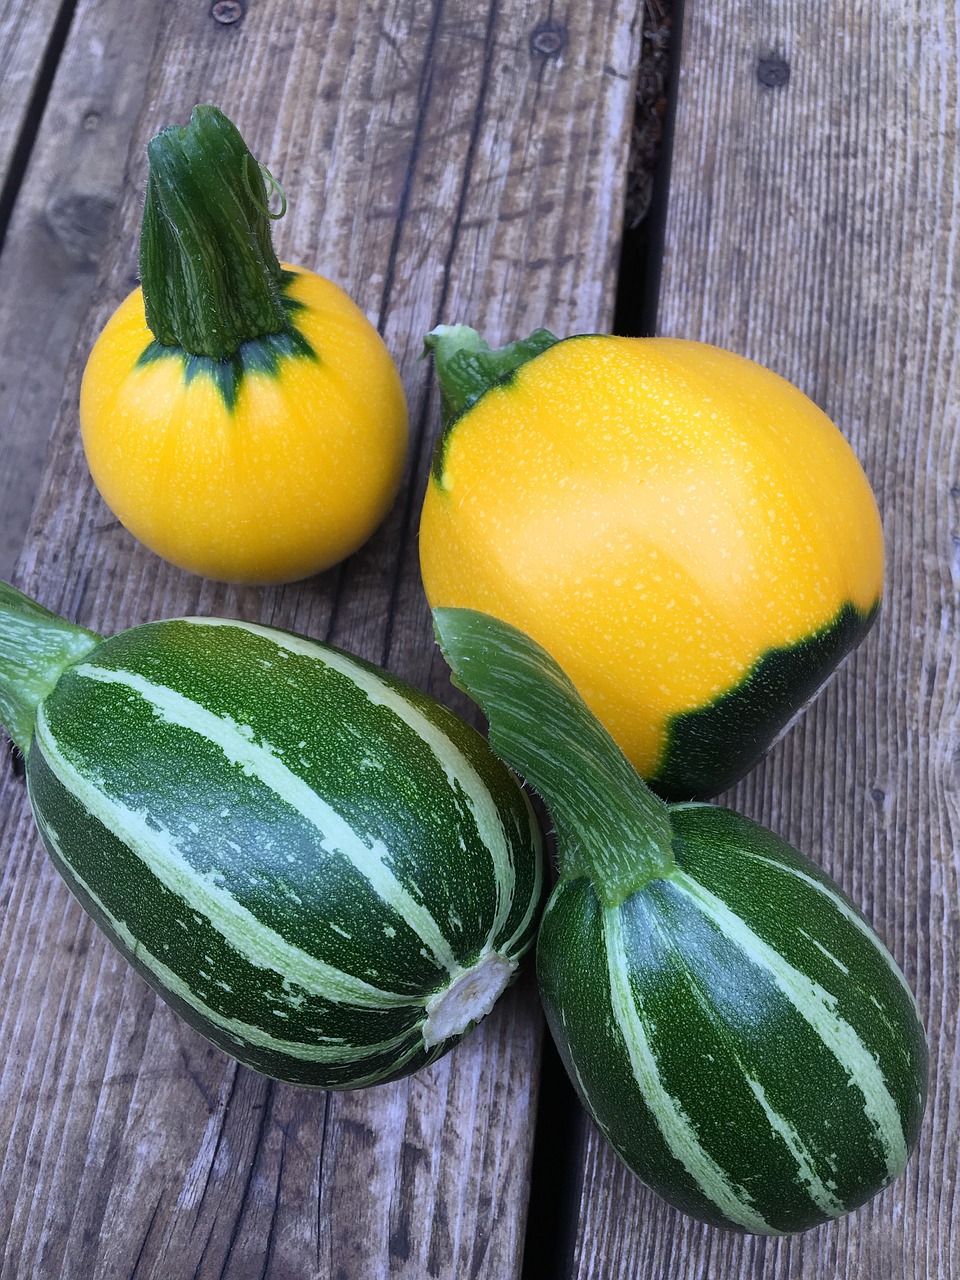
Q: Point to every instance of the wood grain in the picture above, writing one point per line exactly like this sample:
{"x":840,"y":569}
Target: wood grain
{"x":29,"y":38}
{"x":58,"y":231}
{"x":814,"y":227}
{"x":438,"y":167}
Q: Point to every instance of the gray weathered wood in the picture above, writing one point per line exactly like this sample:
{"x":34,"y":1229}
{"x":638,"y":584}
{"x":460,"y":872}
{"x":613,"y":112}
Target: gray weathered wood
{"x":438,"y":168}
{"x":58,"y":231}
{"x":813,"y":227}
{"x":27,"y":34}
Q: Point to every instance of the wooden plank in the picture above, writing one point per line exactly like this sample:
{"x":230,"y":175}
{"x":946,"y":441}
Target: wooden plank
{"x":29,"y":36}
{"x":439,"y":167}
{"x":813,"y":226}
{"x":57,"y":232}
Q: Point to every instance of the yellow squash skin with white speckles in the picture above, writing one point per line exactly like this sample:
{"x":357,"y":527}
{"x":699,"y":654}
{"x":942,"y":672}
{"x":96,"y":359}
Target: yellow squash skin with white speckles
{"x":661,"y":516}
{"x":287,"y":481}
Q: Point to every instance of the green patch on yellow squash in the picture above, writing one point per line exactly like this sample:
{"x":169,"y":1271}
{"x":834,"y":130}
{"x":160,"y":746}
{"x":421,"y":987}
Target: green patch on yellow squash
{"x":685,"y":532}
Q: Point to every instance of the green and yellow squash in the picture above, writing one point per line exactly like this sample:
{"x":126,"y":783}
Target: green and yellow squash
{"x":241,"y":417}
{"x":686,"y":533}
{"x":738,"y":1032}
{"x":320,"y":868}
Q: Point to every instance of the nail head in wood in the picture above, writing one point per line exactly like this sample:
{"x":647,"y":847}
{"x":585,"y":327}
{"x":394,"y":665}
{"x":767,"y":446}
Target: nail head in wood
{"x":774,"y":73}
{"x":548,"y":39}
{"x":227,"y":11}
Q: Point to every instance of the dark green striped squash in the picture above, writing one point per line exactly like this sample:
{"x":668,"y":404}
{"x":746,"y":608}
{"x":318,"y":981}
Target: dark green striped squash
{"x":736,"y":1029}
{"x":320,"y":868}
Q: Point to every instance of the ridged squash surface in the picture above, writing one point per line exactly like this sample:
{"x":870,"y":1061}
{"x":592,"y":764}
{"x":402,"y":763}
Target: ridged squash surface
{"x":298,"y":851}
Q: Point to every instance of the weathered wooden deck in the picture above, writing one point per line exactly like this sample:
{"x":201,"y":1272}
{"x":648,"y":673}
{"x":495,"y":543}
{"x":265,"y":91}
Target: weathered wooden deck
{"x":445,"y":164}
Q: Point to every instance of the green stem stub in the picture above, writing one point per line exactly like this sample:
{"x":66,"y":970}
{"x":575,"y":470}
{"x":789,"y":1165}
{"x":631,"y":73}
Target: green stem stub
{"x":467,"y":367}
{"x":610,"y":826}
{"x":211,"y":279}
{"x":36,"y":647}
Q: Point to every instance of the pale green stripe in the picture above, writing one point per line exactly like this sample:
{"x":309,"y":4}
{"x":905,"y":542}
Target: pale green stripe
{"x":824,"y":951}
{"x":846,"y":911}
{"x":456,"y":768}
{"x":236,"y":743}
{"x":822,"y":1193}
{"x":819,"y":1008}
{"x":675,"y":1125}
{"x":326,"y":1050}
{"x":160,"y":853}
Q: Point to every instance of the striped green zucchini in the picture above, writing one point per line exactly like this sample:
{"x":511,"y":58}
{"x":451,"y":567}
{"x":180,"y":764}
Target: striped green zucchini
{"x":736,"y":1029}
{"x":323,"y":870}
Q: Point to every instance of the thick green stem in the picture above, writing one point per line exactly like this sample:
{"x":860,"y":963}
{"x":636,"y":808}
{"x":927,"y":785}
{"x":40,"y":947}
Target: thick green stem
{"x":467,"y":367}
{"x":610,"y":826}
{"x":35,"y":648}
{"x":211,"y":279}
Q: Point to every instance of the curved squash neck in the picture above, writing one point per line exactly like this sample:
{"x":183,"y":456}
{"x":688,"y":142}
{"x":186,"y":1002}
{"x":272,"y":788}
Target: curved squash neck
{"x":211,"y":280}
{"x":36,"y":647}
{"x":610,"y":826}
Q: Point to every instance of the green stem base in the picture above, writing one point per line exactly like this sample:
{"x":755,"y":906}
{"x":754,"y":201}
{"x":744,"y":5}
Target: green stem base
{"x":36,"y":647}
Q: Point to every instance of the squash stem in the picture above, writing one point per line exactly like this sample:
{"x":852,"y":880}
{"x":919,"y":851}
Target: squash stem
{"x":210,"y":277}
{"x":36,"y":647}
{"x":610,"y":826}
{"x":467,"y":367}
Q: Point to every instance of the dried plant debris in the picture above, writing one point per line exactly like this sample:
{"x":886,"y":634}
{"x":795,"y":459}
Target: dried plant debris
{"x":650,"y":108}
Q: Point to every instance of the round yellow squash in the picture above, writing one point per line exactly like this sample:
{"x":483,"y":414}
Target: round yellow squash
{"x":685,"y":532}
{"x":242,"y":418}
{"x":264,"y":468}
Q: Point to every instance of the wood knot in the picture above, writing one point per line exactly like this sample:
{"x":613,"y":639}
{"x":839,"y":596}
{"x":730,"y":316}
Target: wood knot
{"x":774,"y":73}
{"x":79,"y":221}
{"x":548,"y":39}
